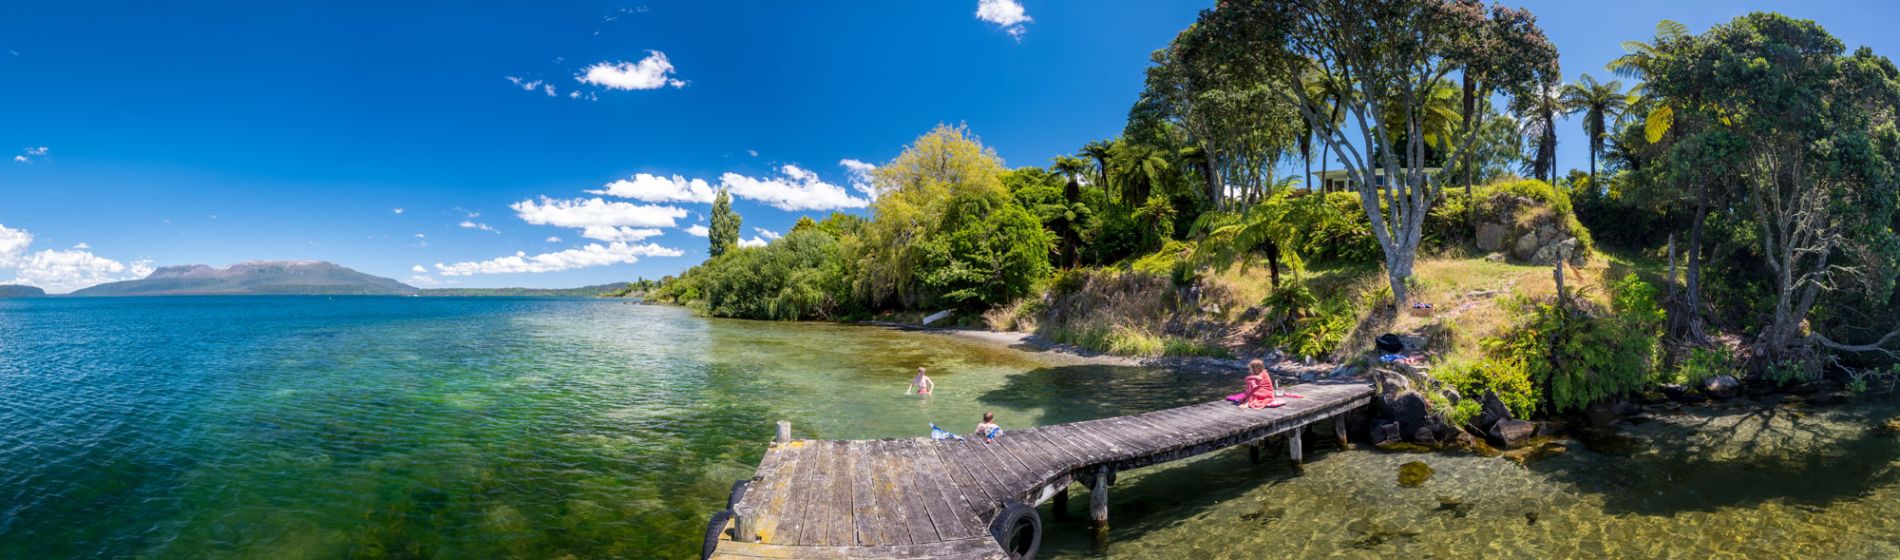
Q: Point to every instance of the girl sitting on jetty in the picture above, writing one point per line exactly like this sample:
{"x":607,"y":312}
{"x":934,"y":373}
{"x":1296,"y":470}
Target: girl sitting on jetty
{"x":1259,"y":393}
{"x":988,"y":430}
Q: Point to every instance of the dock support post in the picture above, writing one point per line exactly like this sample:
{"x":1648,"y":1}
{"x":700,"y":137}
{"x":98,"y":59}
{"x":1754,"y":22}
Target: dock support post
{"x":1059,"y":503}
{"x":1253,"y":451}
{"x":1293,"y":445}
{"x":742,"y":529}
{"x":1098,"y":499}
{"x":784,"y":432}
{"x":1339,"y":431}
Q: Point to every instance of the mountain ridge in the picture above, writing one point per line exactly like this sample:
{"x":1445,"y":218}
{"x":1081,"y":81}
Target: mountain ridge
{"x":253,"y":278}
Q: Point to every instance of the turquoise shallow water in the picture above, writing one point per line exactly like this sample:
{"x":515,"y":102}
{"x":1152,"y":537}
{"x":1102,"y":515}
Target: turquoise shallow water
{"x":311,"y":427}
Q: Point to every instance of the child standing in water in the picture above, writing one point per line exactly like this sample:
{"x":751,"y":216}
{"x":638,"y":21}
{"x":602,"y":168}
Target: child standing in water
{"x":921,"y":384}
{"x":988,"y":430}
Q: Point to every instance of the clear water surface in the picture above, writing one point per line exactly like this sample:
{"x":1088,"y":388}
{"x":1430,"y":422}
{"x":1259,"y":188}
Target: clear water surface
{"x":315,"y":427}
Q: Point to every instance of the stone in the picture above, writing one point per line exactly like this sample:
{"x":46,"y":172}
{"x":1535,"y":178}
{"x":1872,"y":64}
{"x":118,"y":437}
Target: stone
{"x":1495,"y":257}
{"x":1387,"y":433}
{"x":1673,"y":391}
{"x":1491,"y":236}
{"x":1491,"y":410}
{"x":1511,"y":434}
{"x":1415,"y":473}
{"x":1425,"y":435}
{"x":1892,"y":426}
{"x":1548,"y":254}
{"x":1456,"y":507}
{"x":1722,"y":387}
{"x":1525,"y":248}
{"x":1408,"y":409}
{"x":1545,"y":233}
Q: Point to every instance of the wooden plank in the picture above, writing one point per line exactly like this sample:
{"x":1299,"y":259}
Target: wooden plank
{"x":1036,"y":467}
{"x":1058,"y":456}
{"x":1005,"y":471}
{"x":949,"y":519}
{"x":974,"y":493}
{"x":864,"y":506}
{"x":961,"y":549}
{"x":909,"y":494}
{"x":1086,"y":451}
{"x":838,"y":523}
{"x":769,"y":498}
{"x":1101,"y":449}
{"x":802,"y":487}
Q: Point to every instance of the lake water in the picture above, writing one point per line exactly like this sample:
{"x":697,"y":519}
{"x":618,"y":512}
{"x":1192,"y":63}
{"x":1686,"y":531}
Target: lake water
{"x":311,"y":427}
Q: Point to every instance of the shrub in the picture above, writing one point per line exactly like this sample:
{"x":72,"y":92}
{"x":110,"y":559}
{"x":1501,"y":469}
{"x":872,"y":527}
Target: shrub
{"x":1578,"y":358}
{"x":1505,"y":377}
{"x":1548,"y":196}
{"x":1129,"y":341}
{"x":1704,"y":363}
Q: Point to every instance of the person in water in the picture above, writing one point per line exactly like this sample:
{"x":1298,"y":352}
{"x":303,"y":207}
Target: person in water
{"x":921,"y":384}
{"x":1259,"y":393}
{"x":988,"y":430}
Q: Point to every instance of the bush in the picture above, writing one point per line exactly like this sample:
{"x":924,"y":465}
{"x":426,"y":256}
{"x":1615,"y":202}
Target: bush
{"x":1578,"y":358}
{"x":1549,"y":196}
{"x":1505,"y":377}
{"x":800,"y":276}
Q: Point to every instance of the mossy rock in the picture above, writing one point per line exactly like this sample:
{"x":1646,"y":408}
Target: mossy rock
{"x":1415,"y":473}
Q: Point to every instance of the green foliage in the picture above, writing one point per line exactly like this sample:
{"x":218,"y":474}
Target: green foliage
{"x":987,"y":252}
{"x":1172,"y":260}
{"x":1505,"y":376}
{"x":1547,"y":196}
{"x":1704,"y":363}
{"x":1333,"y":229}
{"x":724,"y":234}
{"x":1320,"y":333}
{"x":1577,"y":358}
{"x":800,"y":276}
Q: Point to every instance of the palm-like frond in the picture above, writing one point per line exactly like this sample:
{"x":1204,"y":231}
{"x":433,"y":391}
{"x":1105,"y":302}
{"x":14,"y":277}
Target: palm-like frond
{"x":1227,"y":237}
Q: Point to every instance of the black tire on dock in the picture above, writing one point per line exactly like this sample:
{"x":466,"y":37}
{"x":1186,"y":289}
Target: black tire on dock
{"x":1019,"y":530}
{"x":738,"y":491}
{"x":714,"y":528}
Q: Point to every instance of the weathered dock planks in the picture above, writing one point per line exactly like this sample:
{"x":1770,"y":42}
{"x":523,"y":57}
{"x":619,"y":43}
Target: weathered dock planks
{"x":919,"y":498}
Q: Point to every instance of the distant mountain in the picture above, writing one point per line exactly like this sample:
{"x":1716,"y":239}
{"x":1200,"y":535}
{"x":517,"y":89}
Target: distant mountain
{"x":583,"y":291}
{"x":254,"y":278}
{"x":18,"y":291}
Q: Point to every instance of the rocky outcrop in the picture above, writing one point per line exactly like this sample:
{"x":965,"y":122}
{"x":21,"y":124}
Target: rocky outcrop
{"x":1526,"y":231}
{"x":1405,"y":413}
{"x":1512,"y":434}
{"x":1722,"y":387}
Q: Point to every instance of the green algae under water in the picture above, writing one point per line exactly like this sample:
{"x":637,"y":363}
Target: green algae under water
{"x":309,"y":427}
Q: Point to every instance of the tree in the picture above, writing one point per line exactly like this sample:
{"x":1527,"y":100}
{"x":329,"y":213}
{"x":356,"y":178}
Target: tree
{"x":1598,"y":101}
{"x":1818,"y":147}
{"x":724,"y":234}
{"x":1227,"y":237}
{"x":946,"y":230}
{"x":1537,"y":117}
{"x":1388,"y":56}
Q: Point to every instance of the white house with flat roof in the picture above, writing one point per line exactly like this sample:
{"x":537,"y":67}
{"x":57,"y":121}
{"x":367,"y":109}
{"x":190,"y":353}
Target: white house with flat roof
{"x":1339,"y":179}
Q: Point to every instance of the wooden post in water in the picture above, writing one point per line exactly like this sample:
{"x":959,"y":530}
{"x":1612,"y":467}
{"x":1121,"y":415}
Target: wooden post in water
{"x":1098,"y":499}
{"x":1339,"y":430}
{"x":784,"y":432}
{"x":1059,"y":504}
{"x":1293,"y":446}
{"x":1253,"y":451}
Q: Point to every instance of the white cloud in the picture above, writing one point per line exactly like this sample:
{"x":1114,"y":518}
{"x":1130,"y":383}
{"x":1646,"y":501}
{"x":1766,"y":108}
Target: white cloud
{"x":418,"y":269}
{"x":753,"y":242}
{"x":860,"y":175}
{"x":397,"y":210}
{"x":623,"y":233}
{"x":421,"y":236}
{"x":769,"y":234}
{"x":753,"y":153}
{"x":62,"y":271}
{"x":654,"y":188}
{"x":590,"y":255}
{"x":466,"y":224}
{"x":553,"y":239}
{"x":1006,"y":14}
{"x":581,"y":213}
{"x":697,"y":230}
{"x":422,"y":281}
{"x":30,"y":154}
{"x":796,"y":189}
{"x":82,"y":246}
{"x":652,"y":72}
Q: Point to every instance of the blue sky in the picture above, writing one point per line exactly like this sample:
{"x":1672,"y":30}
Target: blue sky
{"x":137,"y":135}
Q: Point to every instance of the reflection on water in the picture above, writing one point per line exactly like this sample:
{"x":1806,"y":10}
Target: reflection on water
{"x":542,"y":428}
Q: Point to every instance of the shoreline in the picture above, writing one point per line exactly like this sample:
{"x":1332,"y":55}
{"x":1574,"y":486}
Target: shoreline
{"x":1070,"y":354}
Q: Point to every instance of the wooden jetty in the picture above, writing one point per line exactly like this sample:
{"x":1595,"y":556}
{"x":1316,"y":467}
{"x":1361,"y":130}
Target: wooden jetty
{"x":922,"y":498}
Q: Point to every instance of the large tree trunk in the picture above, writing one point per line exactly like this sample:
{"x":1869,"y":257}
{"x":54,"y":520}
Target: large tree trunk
{"x":1273,"y":263}
{"x":1464,"y":165}
{"x":1689,"y":320}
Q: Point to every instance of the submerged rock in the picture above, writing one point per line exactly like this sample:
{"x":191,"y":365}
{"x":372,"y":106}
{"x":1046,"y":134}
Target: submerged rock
{"x":1412,"y":474}
{"x":1491,"y":411}
{"x":1453,"y":505}
{"x":1534,"y":453}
